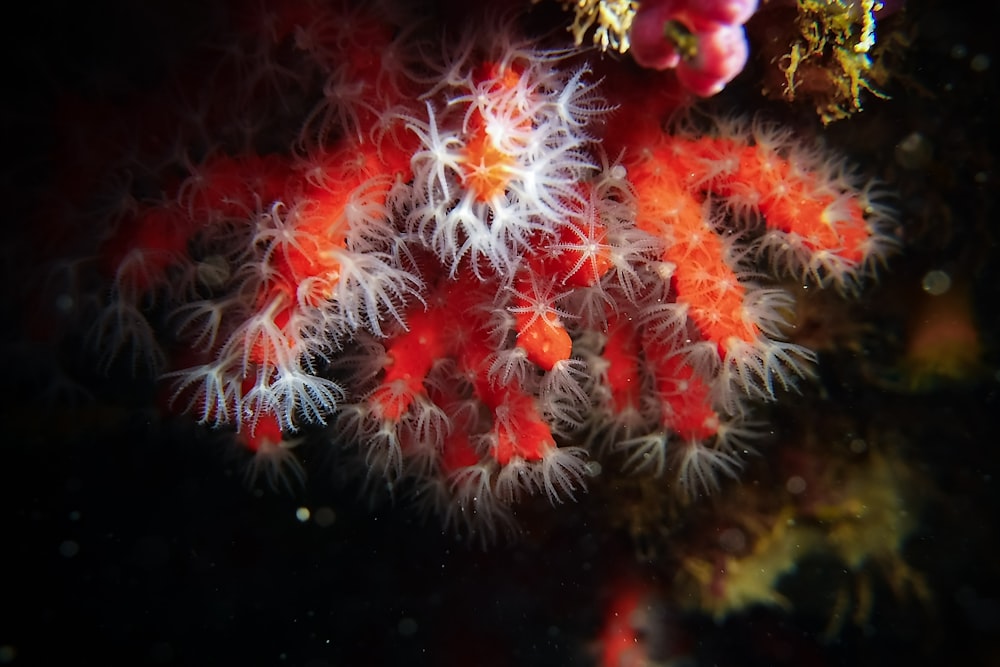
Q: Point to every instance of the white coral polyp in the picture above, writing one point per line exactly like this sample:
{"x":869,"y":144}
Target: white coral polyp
{"x":503,"y":150}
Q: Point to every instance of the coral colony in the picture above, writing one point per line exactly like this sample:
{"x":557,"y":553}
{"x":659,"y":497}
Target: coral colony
{"x":477,"y":258}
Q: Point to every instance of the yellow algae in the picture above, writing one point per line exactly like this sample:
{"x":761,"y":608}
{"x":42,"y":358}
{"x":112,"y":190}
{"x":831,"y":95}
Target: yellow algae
{"x":833,"y":58}
{"x":610,"y":20}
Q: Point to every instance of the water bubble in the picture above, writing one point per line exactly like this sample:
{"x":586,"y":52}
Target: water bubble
{"x":936,"y":282}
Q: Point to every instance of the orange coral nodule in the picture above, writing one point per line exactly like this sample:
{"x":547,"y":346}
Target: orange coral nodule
{"x":266,"y":432}
{"x":692,"y":416}
{"x":458,"y":452}
{"x":582,"y":257}
{"x":621,"y":352}
{"x":821,"y":224}
{"x":703,"y":280}
{"x":580,"y":272}
{"x":503,"y":77}
{"x":520,"y":430}
{"x":797,"y":201}
{"x":410,"y":356}
{"x":392,"y":400}
{"x":716,"y":303}
{"x":545,"y":341}
{"x":488,"y":168}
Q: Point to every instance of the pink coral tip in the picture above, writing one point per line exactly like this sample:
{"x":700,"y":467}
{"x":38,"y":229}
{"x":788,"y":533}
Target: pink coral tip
{"x":649,"y":46}
{"x":727,"y":12}
{"x":705,"y":41}
{"x":722,"y":54}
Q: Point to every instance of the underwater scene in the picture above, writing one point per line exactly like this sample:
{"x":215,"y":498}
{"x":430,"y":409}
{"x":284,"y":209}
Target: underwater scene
{"x":608,"y":333}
